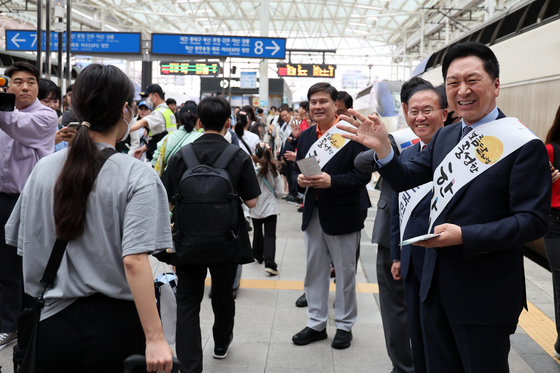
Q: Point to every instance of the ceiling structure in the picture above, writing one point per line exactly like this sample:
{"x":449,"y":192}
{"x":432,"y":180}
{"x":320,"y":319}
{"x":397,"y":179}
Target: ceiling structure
{"x":368,"y":31}
{"x":391,"y":34}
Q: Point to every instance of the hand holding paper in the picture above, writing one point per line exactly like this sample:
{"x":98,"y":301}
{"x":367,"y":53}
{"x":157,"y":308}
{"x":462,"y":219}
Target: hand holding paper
{"x":309,"y":166}
{"x":448,"y":235}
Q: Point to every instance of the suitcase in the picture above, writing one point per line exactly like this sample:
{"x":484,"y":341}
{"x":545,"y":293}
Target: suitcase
{"x":139,"y":361}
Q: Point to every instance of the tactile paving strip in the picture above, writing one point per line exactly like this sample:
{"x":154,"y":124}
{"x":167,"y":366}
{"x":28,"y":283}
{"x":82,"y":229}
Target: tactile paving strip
{"x":540,"y":328}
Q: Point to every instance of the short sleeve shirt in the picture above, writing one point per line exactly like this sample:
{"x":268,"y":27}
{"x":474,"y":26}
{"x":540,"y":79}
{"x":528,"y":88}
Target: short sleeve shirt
{"x":156,"y":120}
{"x":127,"y":214}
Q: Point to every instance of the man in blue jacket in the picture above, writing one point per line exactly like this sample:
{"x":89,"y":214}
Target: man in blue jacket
{"x":335,"y":207}
{"x":426,"y":113}
{"x":473,"y":286}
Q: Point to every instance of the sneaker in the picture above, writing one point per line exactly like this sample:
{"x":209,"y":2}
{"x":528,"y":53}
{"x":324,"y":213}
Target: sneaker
{"x":7,"y":338}
{"x":308,"y":335}
{"x":271,"y":271}
{"x":557,"y":349}
{"x":342,"y":339}
{"x":221,"y":352}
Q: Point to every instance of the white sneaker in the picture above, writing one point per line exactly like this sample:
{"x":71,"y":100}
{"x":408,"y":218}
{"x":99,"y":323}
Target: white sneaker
{"x":7,"y":338}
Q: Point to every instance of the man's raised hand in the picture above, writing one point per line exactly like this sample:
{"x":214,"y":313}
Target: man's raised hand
{"x":370,"y":131}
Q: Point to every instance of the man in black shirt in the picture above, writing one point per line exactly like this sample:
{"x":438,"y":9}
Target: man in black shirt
{"x":214,"y":113}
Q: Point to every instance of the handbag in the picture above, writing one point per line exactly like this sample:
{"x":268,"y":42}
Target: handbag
{"x":25,"y":350}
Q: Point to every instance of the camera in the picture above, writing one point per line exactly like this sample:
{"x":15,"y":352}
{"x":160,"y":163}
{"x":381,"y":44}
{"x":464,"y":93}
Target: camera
{"x":7,"y":100}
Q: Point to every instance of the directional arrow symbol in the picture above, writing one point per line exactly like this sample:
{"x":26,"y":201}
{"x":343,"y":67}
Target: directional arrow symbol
{"x":276,"y":48}
{"x":15,"y":40}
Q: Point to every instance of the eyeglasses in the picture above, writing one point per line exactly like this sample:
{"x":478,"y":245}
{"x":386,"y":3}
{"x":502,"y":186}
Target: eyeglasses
{"x":425,"y":112}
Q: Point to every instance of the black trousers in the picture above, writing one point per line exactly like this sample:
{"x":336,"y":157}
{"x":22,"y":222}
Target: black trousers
{"x":92,"y":335}
{"x":11,"y":277}
{"x":264,"y":247}
{"x":552,"y":246}
{"x":412,"y":295}
{"x":453,"y":347}
{"x":190,"y":291}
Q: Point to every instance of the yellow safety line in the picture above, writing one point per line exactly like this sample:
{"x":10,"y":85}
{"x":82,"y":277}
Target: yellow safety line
{"x":294,"y":285}
{"x":534,"y":322}
{"x":540,"y":328}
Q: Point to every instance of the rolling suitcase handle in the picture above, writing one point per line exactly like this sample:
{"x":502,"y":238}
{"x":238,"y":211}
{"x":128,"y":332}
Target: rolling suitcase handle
{"x":134,"y":361}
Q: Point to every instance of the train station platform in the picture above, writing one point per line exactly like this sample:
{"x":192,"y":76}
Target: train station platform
{"x":266,"y":317}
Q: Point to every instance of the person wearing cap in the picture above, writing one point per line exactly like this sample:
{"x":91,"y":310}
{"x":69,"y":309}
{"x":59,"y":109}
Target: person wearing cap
{"x":188,"y":131}
{"x":160,"y":122}
{"x":139,"y":137}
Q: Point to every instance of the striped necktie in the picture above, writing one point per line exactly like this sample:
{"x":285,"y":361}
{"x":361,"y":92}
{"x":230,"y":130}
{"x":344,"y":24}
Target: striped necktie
{"x":466,"y":130}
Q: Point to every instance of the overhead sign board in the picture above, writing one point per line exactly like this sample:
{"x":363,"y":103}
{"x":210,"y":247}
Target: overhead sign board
{"x":306,"y":70}
{"x":80,"y":41}
{"x":219,"y":46}
{"x":188,"y":68}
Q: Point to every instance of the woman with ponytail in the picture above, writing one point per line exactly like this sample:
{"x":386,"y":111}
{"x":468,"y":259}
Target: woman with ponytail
{"x":189,"y":130}
{"x":101,"y":308}
{"x":247,"y":139}
{"x":265,"y":213}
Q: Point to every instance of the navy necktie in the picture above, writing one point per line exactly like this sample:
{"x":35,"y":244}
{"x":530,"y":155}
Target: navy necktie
{"x":466,"y":130}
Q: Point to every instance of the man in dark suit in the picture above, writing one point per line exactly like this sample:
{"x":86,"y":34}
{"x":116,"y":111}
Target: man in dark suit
{"x":392,"y":304}
{"x":335,"y":207}
{"x":473,"y":287}
{"x":425,"y":114}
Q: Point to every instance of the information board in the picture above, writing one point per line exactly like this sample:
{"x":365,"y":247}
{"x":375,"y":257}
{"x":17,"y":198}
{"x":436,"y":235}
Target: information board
{"x":306,"y":70}
{"x":219,"y":46}
{"x":248,"y":79}
{"x":80,"y":41}
{"x":187,"y":68}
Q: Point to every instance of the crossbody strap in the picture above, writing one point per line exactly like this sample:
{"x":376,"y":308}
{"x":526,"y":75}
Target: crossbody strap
{"x":269,"y":186}
{"x":177,"y":146}
{"x":60,"y":245}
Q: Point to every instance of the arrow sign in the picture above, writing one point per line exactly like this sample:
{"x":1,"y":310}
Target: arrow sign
{"x":81,"y":41}
{"x":276,"y":48}
{"x":218,"y":46}
{"x":15,"y":40}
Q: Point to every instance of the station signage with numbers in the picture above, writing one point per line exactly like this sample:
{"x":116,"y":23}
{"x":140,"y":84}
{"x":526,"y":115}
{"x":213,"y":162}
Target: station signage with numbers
{"x":219,"y":46}
{"x":189,"y":68}
{"x":300,"y":70}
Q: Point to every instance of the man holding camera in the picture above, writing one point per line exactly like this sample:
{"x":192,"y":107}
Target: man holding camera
{"x":26,"y":135}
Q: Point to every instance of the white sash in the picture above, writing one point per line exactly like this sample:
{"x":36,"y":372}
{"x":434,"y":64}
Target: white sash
{"x":475,"y":153}
{"x":408,"y":200}
{"x":328,"y":145}
{"x":404,"y":138}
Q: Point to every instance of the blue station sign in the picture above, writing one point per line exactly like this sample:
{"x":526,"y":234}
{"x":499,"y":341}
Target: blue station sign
{"x":219,"y":46}
{"x":80,"y":42}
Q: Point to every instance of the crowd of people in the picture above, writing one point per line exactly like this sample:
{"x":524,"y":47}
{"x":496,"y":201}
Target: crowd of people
{"x":448,"y":303}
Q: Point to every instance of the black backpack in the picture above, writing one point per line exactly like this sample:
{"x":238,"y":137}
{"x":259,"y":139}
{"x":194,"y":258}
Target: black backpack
{"x":206,"y":222}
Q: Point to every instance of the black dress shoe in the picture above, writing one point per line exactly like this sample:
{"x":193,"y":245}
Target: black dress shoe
{"x":342,"y":339}
{"x":301,"y":301}
{"x":308,"y":335}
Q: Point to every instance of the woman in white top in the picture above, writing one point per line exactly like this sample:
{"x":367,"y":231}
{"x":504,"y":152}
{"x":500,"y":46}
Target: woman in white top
{"x":266,"y":211}
{"x":247,"y":139}
{"x":102,"y":306}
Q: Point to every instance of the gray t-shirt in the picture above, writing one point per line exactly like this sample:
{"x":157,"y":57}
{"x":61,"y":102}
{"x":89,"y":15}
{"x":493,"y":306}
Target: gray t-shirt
{"x":127,"y":214}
